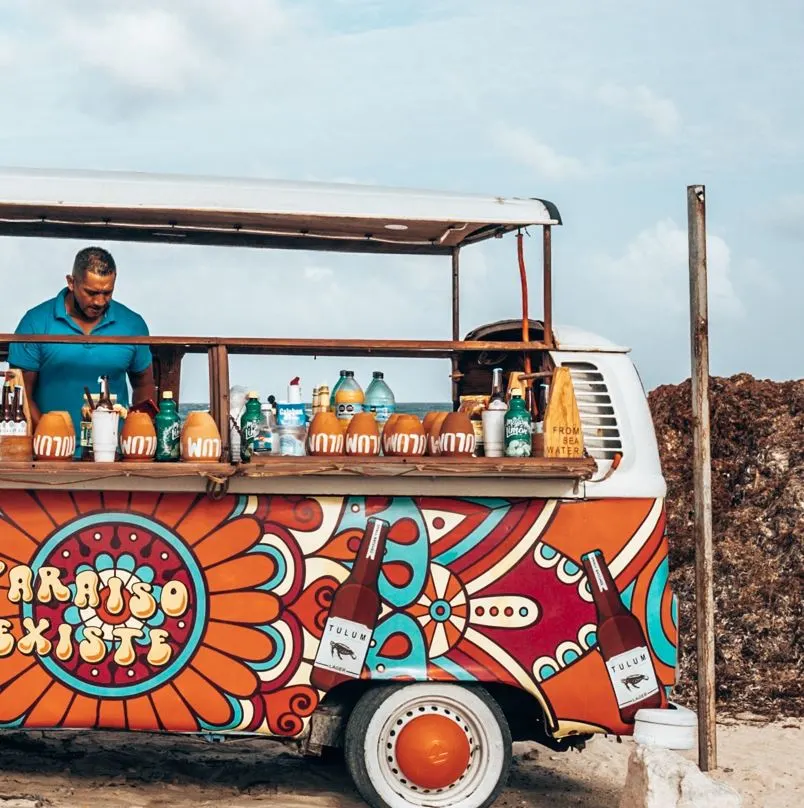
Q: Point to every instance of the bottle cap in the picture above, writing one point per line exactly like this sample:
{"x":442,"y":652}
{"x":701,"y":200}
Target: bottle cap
{"x":167,"y":394}
{"x":515,"y":391}
{"x":377,"y":374}
{"x":253,"y":394}
{"x":294,"y":391}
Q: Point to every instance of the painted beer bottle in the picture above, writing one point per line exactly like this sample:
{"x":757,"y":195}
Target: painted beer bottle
{"x":353,"y":614}
{"x":621,"y":642}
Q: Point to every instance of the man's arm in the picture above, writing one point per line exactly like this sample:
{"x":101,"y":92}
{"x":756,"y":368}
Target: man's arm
{"x":143,"y":386}
{"x":29,"y":378}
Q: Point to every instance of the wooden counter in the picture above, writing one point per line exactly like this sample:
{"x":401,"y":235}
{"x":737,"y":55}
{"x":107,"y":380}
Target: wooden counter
{"x":431,"y":476}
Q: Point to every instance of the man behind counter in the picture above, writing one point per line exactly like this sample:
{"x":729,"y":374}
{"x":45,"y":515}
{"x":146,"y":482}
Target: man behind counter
{"x":55,"y":374}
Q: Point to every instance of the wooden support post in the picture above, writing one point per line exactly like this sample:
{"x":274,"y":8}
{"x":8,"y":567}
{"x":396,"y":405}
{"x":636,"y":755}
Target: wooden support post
{"x":456,"y":320}
{"x":702,"y":478}
{"x":167,"y":369}
{"x":219,"y":392}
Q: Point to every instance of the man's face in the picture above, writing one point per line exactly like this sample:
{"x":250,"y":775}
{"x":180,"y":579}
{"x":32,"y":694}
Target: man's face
{"x":92,"y":293}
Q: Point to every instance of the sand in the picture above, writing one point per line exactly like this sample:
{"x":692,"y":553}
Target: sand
{"x":762,"y":761}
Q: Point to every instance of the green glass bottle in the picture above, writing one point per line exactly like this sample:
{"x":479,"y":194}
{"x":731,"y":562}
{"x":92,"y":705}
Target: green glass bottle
{"x":168,"y":430}
{"x":517,"y":427}
{"x":250,"y":423}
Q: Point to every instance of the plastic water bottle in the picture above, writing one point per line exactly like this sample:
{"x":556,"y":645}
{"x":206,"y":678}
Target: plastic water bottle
{"x":379,"y":398}
{"x":349,"y":398}
{"x":335,"y":390}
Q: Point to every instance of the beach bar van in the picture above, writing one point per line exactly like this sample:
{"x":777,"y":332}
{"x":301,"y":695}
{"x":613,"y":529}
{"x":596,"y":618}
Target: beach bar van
{"x":418,"y":609}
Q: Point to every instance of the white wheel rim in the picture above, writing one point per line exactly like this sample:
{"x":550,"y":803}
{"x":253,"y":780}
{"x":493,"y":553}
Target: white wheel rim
{"x":470,"y":712}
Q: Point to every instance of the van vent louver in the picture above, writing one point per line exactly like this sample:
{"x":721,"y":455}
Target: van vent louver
{"x":599,"y":421}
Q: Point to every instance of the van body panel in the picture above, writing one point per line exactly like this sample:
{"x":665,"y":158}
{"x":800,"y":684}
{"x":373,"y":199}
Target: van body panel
{"x":174,"y":611}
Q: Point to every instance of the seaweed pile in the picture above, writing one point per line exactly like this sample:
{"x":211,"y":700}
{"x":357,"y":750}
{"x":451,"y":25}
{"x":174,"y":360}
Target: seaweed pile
{"x":758,"y":525}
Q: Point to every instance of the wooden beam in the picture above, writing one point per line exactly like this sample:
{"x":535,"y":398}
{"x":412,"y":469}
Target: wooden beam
{"x":438,"y":349}
{"x":547,"y":279}
{"x":456,"y":320}
{"x":167,"y":369}
{"x":702,"y":478}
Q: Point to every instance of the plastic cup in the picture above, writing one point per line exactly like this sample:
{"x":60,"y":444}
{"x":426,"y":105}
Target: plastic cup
{"x":493,"y":433}
{"x":104,"y":435}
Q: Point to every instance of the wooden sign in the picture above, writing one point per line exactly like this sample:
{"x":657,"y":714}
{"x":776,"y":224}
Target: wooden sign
{"x":563,"y":435}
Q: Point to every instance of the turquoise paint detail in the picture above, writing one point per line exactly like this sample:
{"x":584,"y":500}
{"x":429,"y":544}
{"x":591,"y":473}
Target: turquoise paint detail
{"x":279,"y":650}
{"x":627,"y":595}
{"x":440,"y":611}
{"x":200,"y":598}
{"x":480,"y":533}
{"x":414,"y":663}
{"x":662,"y":647}
{"x":103,"y":561}
{"x":569,"y":657}
{"x":126,"y":562}
{"x":546,"y":671}
{"x":416,"y":556}
{"x":240,"y":508}
{"x":571,"y":568}
{"x":674,"y":610}
{"x":547,"y":552}
{"x":454,"y":669}
{"x":281,"y":567}
{"x":146,"y":575}
{"x":237,"y":716}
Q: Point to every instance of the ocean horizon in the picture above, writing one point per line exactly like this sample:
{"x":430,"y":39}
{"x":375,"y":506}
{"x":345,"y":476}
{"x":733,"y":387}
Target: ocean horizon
{"x":419,"y":408}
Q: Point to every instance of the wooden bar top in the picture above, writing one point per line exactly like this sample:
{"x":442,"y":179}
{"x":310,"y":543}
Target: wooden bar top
{"x":52,"y":473}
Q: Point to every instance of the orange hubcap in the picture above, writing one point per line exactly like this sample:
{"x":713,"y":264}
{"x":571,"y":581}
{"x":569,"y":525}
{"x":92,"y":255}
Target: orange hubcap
{"x":432,"y":751}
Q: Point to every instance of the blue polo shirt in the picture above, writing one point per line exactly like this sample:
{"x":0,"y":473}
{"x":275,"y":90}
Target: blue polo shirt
{"x":64,"y":370}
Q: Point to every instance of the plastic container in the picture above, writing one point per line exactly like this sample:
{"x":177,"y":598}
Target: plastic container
{"x":379,"y":399}
{"x":335,"y":389}
{"x":292,"y":440}
{"x":264,"y":443}
{"x":349,"y":398}
{"x":673,"y":728}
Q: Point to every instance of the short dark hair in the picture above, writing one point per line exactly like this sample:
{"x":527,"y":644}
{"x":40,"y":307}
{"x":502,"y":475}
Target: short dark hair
{"x":95,"y":260}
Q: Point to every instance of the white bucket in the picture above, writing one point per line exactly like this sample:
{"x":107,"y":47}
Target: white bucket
{"x":671,"y":728}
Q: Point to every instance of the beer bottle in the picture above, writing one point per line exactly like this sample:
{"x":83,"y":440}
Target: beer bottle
{"x":20,"y":424}
{"x":168,"y":430}
{"x":7,"y":423}
{"x":353,"y":614}
{"x":621,"y":642}
{"x":497,"y":393}
{"x":105,"y":399}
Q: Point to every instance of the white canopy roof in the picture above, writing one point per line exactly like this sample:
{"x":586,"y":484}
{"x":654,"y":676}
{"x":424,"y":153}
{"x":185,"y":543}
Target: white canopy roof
{"x":255,"y":213}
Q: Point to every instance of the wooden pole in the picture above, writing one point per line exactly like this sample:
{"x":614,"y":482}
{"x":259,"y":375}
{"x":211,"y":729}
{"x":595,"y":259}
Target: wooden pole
{"x":702,"y":478}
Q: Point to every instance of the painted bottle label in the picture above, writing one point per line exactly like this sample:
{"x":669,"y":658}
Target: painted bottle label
{"x":632,"y":676}
{"x":343,"y":647}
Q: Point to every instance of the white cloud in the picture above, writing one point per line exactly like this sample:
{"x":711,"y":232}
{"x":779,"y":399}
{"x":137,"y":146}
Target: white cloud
{"x":651,"y":277}
{"x":542,"y":158}
{"x":661,"y":113}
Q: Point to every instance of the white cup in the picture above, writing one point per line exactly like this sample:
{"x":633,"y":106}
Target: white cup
{"x":493,"y":432}
{"x":104,"y":435}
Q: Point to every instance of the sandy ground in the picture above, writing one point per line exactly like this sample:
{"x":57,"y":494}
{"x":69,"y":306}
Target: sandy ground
{"x":109,"y":770}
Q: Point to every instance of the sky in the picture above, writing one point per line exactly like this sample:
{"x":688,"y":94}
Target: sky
{"x":610,"y":110}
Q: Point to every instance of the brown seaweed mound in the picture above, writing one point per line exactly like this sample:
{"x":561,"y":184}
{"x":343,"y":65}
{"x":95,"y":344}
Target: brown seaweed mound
{"x":758,"y":525}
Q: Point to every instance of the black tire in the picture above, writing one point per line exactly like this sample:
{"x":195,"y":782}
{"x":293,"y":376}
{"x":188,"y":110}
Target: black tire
{"x":380,"y":703}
